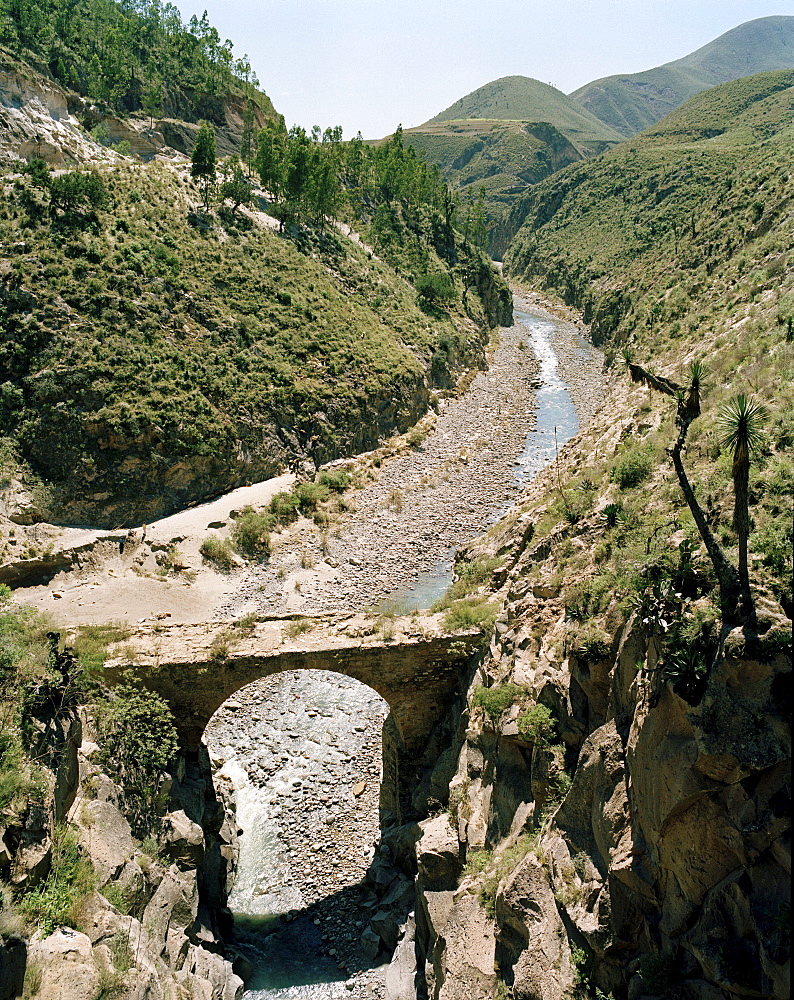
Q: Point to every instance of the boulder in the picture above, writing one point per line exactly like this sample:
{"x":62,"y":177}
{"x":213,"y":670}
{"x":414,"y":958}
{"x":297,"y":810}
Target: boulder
{"x":438,"y":852}
{"x":184,"y":838}
{"x":400,"y":978}
{"x":531,"y":940}
{"x":105,"y":834}
{"x":66,"y":961}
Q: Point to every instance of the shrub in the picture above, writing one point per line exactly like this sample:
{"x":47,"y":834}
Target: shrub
{"x":335,"y":479}
{"x":72,"y":877}
{"x":78,"y":191}
{"x":139,"y":740}
{"x":298,"y":626}
{"x":594,"y":643}
{"x":536,"y":725}
{"x":311,"y":495}
{"x":495,"y":700}
{"x":284,"y":507}
{"x":470,"y":612}
{"x":632,"y":468}
{"x":435,"y":288}
{"x":251,"y":533}
{"x":218,"y":551}
{"x":417,"y":436}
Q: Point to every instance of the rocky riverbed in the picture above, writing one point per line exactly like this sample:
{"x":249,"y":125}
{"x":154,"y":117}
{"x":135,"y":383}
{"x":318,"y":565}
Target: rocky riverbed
{"x":401,"y":528}
{"x":303,"y":752}
{"x":304,"y":749}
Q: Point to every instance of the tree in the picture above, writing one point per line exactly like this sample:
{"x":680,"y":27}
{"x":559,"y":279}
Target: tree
{"x":77,"y":191}
{"x":248,"y":138}
{"x":271,"y":148}
{"x":740,"y":420}
{"x":152,"y":98}
{"x":235,"y":187}
{"x":688,"y":409}
{"x":203,"y":160}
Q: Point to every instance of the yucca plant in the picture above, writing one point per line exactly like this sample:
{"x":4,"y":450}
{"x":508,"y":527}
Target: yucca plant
{"x":740,"y":421}
{"x":689,"y":400}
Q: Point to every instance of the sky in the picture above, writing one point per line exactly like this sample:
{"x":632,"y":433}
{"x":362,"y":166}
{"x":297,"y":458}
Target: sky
{"x":370,"y":65}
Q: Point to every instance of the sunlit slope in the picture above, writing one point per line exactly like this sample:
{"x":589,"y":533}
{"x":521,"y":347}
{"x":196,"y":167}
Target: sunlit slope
{"x":520,"y":98}
{"x":701,"y":201}
{"x":151,"y":354}
{"x":630,"y":103}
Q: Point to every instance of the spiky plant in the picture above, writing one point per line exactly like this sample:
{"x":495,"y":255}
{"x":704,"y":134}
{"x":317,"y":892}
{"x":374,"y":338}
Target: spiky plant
{"x":689,"y":405}
{"x":740,"y":421}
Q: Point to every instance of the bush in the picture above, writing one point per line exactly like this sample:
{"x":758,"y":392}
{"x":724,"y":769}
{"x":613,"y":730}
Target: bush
{"x":335,"y":479}
{"x":298,"y":626}
{"x":139,"y":740}
{"x":284,"y":507}
{"x":495,"y":700}
{"x":78,"y":191}
{"x":251,"y":533}
{"x":470,"y":612}
{"x":594,"y":643}
{"x":632,"y":468}
{"x":218,"y":551}
{"x":72,"y":877}
{"x":311,"y":495}
{"x":536,"y":725}
{"x":435,"y":288}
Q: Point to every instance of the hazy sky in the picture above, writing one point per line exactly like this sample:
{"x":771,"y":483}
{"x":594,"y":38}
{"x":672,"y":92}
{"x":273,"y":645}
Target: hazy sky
{"x":372,"y":64}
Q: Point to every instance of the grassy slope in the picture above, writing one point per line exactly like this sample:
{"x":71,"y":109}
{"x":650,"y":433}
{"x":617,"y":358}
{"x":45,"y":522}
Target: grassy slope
{"x":520,"y":98}
{"x":147,"y":363}
{"x":502,"y":157}
{"x":631,"y":103}
{"x":678,"y":245}
{"x":508,"y":134}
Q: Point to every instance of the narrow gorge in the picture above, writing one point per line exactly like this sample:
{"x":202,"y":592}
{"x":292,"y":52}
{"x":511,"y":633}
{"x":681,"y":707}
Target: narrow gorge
{"x":379,"y":620}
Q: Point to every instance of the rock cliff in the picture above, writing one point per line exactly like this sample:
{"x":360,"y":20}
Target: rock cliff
{"x":151,"y":923}
{"x":611,"y":827}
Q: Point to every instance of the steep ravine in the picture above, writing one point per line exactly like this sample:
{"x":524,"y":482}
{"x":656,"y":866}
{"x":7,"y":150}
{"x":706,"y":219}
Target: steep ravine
{"x":303,"y":751}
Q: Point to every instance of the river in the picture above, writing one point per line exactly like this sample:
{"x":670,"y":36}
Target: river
{"x":303,"y":750}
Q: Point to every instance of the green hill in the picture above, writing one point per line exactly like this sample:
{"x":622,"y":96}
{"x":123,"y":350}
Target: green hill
{"x":508,"y":134}
{"x":500,"y":157}
{"x":677,"y":246}
{"x":520,"y":98}
{"x":154,"y":352}
{"x":633,"y":234}
{"x":629,"y":104}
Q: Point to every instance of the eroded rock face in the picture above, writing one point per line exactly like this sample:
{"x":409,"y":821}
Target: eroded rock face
{"x":174,"y":889}
{"x":661,"y":868}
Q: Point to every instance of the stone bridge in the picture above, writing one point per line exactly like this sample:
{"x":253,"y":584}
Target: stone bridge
{"x":411,"y":661}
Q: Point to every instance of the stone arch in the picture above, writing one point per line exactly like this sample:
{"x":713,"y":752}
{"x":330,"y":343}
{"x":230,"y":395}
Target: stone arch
{"x":417,"y":671}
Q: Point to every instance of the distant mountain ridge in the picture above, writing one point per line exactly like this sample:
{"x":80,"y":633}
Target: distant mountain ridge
{"x":513,"y":132}
{"x":520,"y":98}
{"x":628,"y":104}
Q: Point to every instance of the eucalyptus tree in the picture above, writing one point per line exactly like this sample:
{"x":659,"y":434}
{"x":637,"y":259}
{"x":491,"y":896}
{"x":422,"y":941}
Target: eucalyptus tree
{"x":203,"y":160}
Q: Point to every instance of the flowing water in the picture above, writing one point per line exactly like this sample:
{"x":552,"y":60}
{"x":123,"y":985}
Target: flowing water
{"x":287,"y":957}
{"x":288,"y":746}
{"x":556,"y":422}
